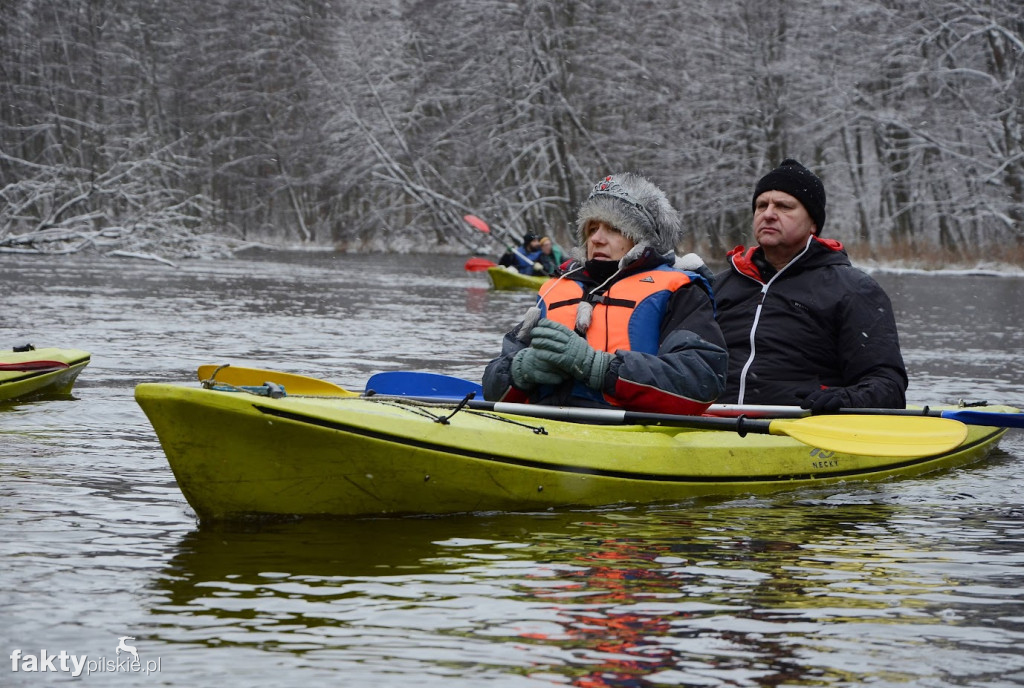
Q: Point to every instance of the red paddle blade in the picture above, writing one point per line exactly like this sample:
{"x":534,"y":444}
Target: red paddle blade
{"x":479,"y":264}
{"x":477,"y":222}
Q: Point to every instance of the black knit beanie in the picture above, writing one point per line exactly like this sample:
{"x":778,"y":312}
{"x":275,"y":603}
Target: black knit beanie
{"x":799,"y":182}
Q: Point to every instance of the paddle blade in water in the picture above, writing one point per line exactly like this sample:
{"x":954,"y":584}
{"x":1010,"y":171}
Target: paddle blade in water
{"x":476,"y":222}
{"x":891,"y":436}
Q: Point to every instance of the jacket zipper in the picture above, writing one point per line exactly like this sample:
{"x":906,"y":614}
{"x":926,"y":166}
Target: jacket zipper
{"x":757,"y":317}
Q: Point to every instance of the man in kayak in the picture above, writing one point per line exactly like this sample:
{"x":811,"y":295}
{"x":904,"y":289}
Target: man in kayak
{"x":525,"y":257}
{"x":622,"y":326}
{"x":804,"y":327}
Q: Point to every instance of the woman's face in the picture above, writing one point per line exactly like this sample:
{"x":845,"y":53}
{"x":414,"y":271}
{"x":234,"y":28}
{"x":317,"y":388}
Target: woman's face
{"x":604,"y":242}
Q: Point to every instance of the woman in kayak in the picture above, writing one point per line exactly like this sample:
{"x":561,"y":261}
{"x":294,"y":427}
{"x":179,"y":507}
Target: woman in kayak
{"x":624,"y":325}
{"x":550,"y":256}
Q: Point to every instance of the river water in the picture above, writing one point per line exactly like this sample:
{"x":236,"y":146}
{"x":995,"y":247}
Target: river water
{"x":916,"y":582}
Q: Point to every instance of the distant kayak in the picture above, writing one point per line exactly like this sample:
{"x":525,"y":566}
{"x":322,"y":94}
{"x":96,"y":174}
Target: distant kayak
{"x":39,"y":372}
{"x":504,"y":278}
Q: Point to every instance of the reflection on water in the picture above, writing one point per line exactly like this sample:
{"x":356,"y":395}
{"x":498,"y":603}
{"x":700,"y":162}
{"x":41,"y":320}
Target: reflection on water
{"x":914,"y":582}
{"x":762,"y":594}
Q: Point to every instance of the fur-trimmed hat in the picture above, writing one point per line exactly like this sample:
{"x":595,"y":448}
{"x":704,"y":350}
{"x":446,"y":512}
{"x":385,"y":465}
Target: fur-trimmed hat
{"x":799,"y":182}
{"x":633,"y":206}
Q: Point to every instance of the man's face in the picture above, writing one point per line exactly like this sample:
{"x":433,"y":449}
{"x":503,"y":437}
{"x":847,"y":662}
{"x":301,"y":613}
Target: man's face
{"x":781,"y":221}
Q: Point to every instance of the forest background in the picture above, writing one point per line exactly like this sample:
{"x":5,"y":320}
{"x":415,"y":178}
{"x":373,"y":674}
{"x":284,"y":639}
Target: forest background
{"x":189,"y":128}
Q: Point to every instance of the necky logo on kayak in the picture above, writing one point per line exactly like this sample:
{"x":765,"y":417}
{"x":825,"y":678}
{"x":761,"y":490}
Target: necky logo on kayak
{"x":65,"y":662}
{"x":825,"y":459}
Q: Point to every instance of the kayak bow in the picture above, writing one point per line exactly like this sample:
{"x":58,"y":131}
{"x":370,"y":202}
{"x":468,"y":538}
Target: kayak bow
{"x":39,"y":372}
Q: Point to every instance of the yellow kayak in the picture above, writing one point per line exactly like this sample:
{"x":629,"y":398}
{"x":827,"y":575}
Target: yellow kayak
{"x":505,"y":278}
{"x":39,"y":372}
{"x":238,"y":453}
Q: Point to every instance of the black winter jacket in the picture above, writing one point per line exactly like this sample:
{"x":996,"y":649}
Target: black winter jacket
{"x":818,"y":322}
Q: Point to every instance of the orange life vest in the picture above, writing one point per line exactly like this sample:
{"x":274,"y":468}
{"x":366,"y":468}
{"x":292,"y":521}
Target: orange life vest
{"x":627,"y":316}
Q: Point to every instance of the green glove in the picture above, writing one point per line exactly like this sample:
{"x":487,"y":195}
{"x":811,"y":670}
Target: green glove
{"x":528,"y":370}
{"x":560,"y":346}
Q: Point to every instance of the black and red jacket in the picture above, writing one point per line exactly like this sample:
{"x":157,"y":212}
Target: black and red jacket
{"x":818,"y":322}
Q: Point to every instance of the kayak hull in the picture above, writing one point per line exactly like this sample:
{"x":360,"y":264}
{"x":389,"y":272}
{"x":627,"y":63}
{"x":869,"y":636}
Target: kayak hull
{"x":237,"y":455}
{"x":29,"y":382}
{"x":503,"y":278}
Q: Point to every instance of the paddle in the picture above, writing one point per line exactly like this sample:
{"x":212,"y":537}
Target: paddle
{"x":33,"y":365}
{"x":404,"y":383}
{"x":477,"y":223}
{"x":997,"y":419}
{"x":887,"y":436}
{"x":389,"y":383}
{"x":293,"y":384}
{"x":869,"y":435}
{"x":415,"y":384}
{"x":479,"y":264}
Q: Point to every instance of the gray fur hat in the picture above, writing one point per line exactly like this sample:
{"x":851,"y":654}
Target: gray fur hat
{"x":635,"y":207}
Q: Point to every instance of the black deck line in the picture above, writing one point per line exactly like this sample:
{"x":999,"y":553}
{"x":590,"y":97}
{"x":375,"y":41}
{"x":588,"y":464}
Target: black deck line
{"x":357,"y":430}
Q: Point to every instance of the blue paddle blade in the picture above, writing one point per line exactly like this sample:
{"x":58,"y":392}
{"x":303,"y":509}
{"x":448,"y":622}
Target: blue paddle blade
{"x":413,"y":384}
{"x":992,"y":418}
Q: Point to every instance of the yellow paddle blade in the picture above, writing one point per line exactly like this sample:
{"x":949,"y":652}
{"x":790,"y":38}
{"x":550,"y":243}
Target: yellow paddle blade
{"x":254,"y":377}
{"x":892,"y":436}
